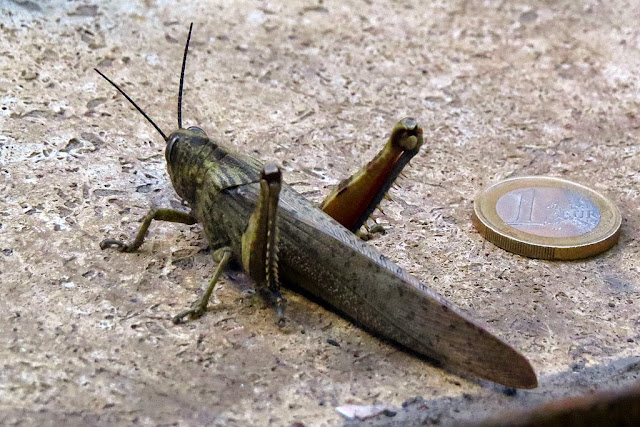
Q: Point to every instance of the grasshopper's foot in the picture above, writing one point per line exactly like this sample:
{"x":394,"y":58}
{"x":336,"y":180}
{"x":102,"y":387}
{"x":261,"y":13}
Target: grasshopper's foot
{"x":194,"y":313}
{"x":273,"y":299}
{"x":371,"y":232}
{"x":119,"y":244}
{"x":222,"y":255}
{"x":377,"y":228}
{"x":280,"y":305}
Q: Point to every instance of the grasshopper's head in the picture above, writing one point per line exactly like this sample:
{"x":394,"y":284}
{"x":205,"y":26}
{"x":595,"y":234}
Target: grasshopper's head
{"x":186,"y":151}
{"x":182,"y":142}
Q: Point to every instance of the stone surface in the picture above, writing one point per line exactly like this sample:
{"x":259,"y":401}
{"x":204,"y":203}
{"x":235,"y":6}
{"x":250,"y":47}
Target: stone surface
{"x":501,"y":88}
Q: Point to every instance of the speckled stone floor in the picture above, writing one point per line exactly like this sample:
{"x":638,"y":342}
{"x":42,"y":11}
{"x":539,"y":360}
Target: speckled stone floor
{"x":501,"y":88}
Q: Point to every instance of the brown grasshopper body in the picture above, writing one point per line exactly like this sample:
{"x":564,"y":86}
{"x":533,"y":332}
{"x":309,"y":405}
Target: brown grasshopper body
{"x":276,"y":234}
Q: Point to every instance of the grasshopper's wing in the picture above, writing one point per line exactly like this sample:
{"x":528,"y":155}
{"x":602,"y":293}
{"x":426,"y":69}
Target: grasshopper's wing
{"x":367,"y":286}
{"x":327,"y":260}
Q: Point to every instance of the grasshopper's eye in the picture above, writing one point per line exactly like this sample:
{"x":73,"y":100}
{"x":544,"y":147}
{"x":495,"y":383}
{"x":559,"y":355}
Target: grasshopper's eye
{"x":196,"y":129}
{"x":170,"y":151}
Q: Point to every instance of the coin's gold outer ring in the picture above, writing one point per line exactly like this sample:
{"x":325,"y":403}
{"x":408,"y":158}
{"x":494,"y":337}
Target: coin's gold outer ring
{"x":494,"y":229}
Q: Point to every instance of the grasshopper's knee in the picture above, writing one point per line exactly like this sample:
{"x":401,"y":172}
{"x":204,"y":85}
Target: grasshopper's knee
{"x":219,"y":254}
{"x":271,"y":173}
{"x":407,"y":135}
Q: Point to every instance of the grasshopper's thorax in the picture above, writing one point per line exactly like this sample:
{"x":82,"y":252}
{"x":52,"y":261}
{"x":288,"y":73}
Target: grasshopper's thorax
{"x":194,"y":161}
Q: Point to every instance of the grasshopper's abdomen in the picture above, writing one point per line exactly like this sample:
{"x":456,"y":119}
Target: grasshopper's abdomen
{"x":325,"y":259}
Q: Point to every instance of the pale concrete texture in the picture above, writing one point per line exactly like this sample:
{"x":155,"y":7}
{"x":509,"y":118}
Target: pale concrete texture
{"x":501,"y":88}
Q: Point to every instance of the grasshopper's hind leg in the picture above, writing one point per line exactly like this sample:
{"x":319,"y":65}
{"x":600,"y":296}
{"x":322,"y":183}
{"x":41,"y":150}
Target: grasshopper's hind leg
{"x":354,"y":199}
{"x":260,"y":240}
{"x":157,"y":214}
{"x":259,"y":249}
{"x":222,"y":257}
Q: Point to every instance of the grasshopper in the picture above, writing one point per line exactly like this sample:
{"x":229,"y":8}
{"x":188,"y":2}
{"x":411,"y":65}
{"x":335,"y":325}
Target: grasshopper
{"x":249,"y":215}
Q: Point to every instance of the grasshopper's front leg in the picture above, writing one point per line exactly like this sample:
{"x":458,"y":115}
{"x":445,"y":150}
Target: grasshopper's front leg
{"x":222,"y":255}
{"x":260,"y":240}
{"x":354,"y":199}
{"x":157,"y":214}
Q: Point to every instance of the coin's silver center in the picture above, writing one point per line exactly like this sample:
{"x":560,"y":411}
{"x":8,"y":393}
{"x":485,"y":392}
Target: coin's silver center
{"x":548,"y":211}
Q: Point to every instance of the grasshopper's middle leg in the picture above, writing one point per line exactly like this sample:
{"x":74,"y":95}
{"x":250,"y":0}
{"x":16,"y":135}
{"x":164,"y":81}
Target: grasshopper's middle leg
{"x":260,"y":240}
{"x":354,"y":199}
{"x":222,"y":256}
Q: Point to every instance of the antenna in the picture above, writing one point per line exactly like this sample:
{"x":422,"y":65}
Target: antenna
{"x":184,"y":64}
{"x":134,"y":104}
